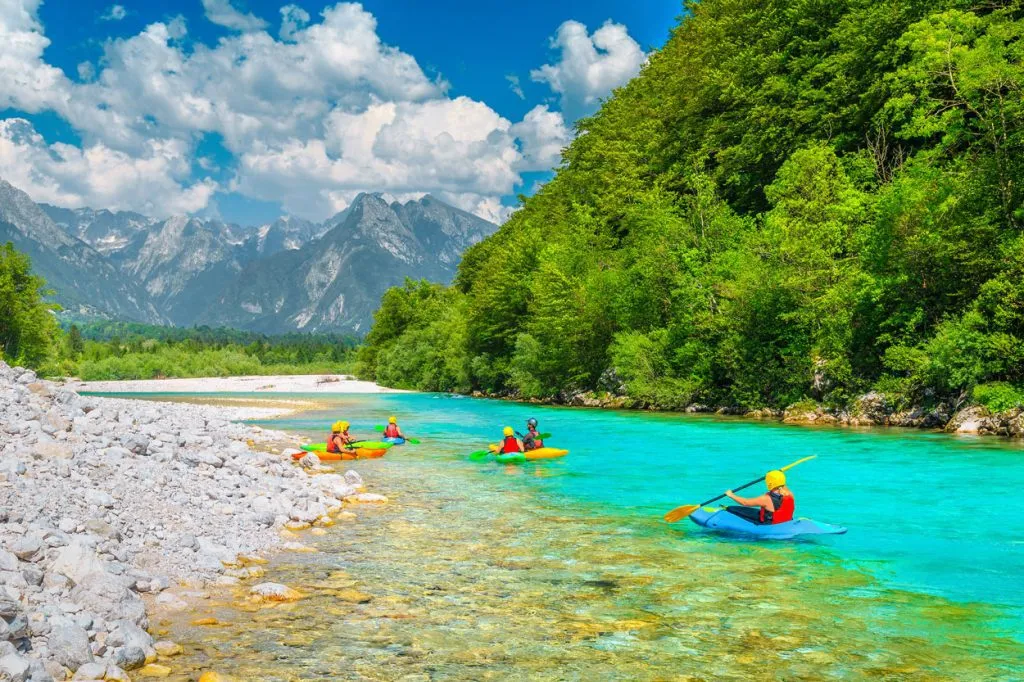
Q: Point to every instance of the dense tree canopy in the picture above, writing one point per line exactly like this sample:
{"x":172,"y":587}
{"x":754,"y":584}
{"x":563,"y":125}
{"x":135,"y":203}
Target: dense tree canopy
{"x":27,"y":324}
{"x":793,"y":200}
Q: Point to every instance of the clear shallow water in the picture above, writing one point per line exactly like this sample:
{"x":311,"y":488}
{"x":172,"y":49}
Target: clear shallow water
{"x":564,"y":569}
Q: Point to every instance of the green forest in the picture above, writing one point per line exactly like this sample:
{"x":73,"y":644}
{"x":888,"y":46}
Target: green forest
{"x":793,"y":201}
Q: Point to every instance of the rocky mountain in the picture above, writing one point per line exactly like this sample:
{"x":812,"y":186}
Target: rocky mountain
{"x":335,"y":282}
{"x":288,"y":275}
{"x":104,"y":230}
{"x":284,"y":234}
{"x":86,"y":282}
{"x":180,"y":261}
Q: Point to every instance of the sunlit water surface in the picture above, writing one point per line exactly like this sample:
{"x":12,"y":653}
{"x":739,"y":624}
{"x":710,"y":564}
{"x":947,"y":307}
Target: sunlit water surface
{"x":565,"y":570}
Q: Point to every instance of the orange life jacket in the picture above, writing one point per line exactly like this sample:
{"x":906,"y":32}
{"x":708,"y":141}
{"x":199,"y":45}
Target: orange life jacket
{"x":331,"y":447}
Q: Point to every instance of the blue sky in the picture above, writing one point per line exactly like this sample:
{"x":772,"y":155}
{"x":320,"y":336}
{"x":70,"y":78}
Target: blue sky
{"x":246,"y":110}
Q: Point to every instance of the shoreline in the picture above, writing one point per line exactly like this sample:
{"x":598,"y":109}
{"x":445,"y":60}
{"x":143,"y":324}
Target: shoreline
{"x":294,"y":383}
{"x":118,"y":509}
{"x":871,"y":410}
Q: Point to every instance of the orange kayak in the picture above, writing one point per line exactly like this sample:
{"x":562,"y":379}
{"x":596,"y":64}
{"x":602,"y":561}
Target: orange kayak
{"x":357,"y":453}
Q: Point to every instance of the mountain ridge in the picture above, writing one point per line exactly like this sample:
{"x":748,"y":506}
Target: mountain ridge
{"x":285,"y":275}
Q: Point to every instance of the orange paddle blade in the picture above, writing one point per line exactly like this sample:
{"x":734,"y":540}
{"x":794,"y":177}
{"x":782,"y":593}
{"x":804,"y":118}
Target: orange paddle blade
{"x":680,"y":513}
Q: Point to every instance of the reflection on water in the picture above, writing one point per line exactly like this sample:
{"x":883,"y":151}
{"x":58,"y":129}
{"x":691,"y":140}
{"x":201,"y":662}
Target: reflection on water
{"x":466,"y":575}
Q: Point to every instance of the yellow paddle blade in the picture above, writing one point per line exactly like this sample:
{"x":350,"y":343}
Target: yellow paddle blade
{"x":680,"y":513}
{"x":799,"y":461}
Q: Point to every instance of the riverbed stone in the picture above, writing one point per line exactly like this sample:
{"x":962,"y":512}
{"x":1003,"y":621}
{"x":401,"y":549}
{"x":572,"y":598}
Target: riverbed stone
{"x":91,"y":671}
{"x":130,"y":658}
{"x":274,"y":592}
{"x":166,"y":648}
{"x":15,"y":667}
{"x":109,"y":596}
{"x":69,"y":644}
{"x":111,"y":497}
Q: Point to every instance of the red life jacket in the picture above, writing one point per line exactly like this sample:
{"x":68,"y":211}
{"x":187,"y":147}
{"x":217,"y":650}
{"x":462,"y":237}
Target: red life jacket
{"x":391,"y":431}
{"x":331,"y":447}
{"x":537,"y":442}
{"x":785,"y":505}
{"x":510,"y":444}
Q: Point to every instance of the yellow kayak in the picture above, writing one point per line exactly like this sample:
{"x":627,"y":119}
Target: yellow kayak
{"x":519,"y":457}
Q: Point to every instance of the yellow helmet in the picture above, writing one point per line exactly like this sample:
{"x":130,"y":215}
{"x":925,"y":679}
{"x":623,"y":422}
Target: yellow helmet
{"x":392,"y":420}
{"x":774,"y":479}
{"x":338,"y":427}
{"x":509,"y":431}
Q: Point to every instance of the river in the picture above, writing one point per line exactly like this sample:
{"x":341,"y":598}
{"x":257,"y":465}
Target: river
{"x":564,"y":570}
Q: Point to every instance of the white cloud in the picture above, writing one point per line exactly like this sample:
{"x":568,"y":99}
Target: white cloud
{"x":452,"y":147}
{"x":114,"y":13}
{"x":155,"y":183}
{"x":293,"y":18}
{"x":590,"y":67}
{"x":86,"y":72}
{"x":222,"y":13}
{"x":542,"y":134}
{"x":26,"y":81}
{"x":515,"y":86}
{"x":310,"y":119}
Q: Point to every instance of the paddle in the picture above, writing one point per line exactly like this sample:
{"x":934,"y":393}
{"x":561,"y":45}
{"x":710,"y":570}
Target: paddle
{"x":479,"y":455}
{"x":413,"y":441}
{"x":680,"y":513}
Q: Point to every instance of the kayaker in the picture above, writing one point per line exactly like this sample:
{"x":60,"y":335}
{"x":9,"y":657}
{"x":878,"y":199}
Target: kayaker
{"x":532,"y":441}
{"x":775,"y":506}
{"x":511,"y":443}
{"x":392,"y":430}
{"x":339,"y":439}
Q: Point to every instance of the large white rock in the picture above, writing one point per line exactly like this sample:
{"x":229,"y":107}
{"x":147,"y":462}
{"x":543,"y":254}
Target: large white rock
{"x":108,"y":595}
{"x":76,"y":561}
{"x":69,"y":643}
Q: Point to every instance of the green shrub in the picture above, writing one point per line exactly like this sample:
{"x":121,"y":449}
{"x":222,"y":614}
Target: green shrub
{"x":999,"y":396}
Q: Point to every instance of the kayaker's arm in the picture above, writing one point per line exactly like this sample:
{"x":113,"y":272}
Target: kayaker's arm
{"x":759,"y":501}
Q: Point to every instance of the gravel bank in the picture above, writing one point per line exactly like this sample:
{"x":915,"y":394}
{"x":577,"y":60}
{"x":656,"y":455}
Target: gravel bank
{"x":315,"y":383}
{"x":105,"y":500}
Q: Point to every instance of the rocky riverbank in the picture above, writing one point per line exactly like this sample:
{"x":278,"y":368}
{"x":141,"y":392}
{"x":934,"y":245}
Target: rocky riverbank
{"x":870,"y":409}
{"x":111,"y":508}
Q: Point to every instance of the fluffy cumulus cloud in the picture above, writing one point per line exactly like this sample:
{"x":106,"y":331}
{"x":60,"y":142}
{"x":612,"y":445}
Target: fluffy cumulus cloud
{"x":155,"y":181}
{"x":310,"y":117}
{"x":222,"y":12}
{"x":590,"y":66}
{"x":543,"y":134}
{"x":293,"y":18}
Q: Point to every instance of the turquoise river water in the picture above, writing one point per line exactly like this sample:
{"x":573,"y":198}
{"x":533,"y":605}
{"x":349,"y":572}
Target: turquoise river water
{"x":565,"y":570}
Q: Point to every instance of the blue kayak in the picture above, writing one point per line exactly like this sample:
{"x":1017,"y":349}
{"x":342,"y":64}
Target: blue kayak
{"x":725,"y":522}
{"x":395,"y":441}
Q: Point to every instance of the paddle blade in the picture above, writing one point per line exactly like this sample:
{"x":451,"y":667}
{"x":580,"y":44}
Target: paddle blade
{"x":413,"y":441}
{"x":378,"y":427}
{"x":479,"y":455}
{"x":544,"y":436}
{"x":680,"y":513}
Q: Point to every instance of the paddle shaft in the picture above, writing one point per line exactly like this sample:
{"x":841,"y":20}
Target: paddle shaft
{"x":759,"y":479}
{"x":746,"y":485}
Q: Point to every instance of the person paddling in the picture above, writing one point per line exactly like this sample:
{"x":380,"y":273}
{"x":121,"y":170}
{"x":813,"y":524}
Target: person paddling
{"x":775,"y":506}
{"x":339,"y":439}
{"x":511,"y":443}
{"x":392,"y":430}
{"x":532,"y":439}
